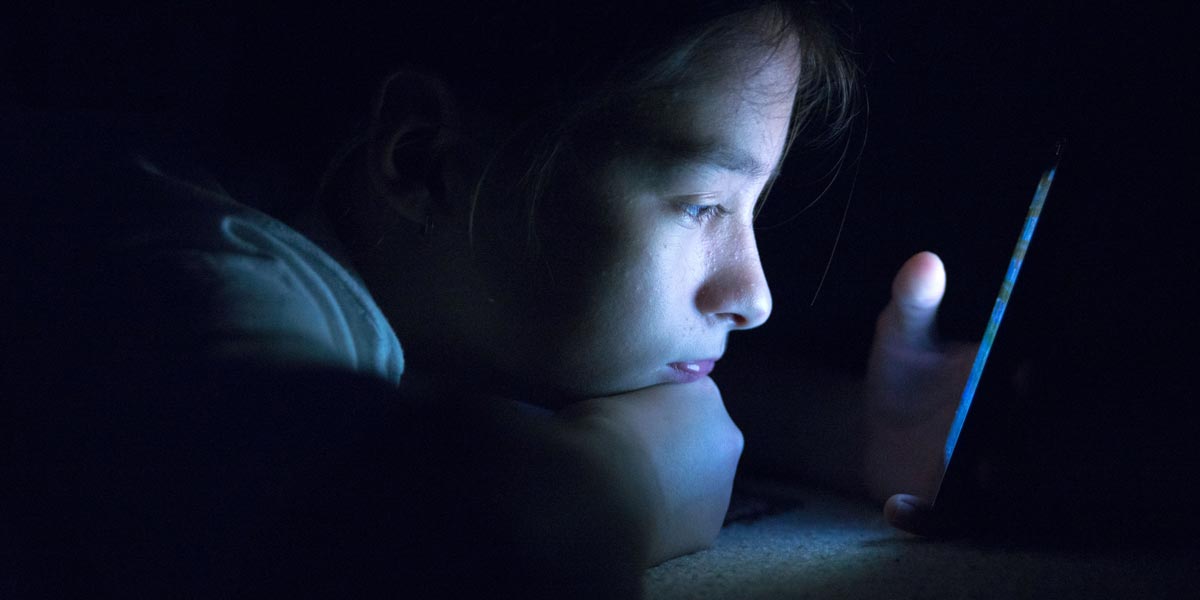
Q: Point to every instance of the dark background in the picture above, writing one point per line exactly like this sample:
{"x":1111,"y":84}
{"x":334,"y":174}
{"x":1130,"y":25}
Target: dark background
{"x":965,"y":101}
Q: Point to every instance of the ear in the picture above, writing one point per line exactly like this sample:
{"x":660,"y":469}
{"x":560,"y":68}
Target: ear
{"x":413,"y":123}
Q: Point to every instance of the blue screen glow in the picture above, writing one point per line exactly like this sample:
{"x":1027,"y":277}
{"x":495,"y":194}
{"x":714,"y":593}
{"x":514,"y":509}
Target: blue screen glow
{"x":989,"y":335}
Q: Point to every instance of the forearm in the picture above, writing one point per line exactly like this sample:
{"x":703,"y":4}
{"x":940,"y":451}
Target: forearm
{"x":270,"y":483}
{"x":673,"y":452}
{"x":494,"y":500}
{"x":574,"y":506}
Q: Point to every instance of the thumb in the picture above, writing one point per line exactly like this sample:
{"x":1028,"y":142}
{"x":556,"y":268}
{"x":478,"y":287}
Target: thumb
{"x":917,"y":291}
{"x":916,"y":515}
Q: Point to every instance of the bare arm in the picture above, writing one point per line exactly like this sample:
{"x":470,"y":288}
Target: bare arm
{"x":682,"y":452}
{"x":238,"y":480}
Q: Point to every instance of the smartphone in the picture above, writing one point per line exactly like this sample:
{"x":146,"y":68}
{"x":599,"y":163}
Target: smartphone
{"x":955,"y":493}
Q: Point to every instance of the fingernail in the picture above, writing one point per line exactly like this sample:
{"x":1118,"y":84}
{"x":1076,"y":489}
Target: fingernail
{"x":899,"y":509}
{"x":905,"y":509}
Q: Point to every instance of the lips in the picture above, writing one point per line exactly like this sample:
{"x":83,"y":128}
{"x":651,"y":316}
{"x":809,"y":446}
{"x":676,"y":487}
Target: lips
{"x":687,"y":371}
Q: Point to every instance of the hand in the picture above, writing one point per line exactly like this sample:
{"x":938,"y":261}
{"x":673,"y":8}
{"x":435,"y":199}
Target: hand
{"x":914,"y":384}
{"x":685,"y":450}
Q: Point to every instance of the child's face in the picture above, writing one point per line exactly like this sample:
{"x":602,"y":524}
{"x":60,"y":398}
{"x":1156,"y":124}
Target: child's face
{"x":650,"y":258}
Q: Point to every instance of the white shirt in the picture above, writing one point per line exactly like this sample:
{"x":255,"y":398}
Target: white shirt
{"x":251,"y":287}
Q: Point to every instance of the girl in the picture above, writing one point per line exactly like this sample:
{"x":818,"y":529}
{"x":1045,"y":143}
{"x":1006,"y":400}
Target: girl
{"x":551,"y":211}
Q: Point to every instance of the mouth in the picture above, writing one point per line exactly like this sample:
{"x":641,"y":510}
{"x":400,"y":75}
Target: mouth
{"x":692,"y":370}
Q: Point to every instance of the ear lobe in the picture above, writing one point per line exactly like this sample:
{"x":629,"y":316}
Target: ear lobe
{"x":412,"y":124}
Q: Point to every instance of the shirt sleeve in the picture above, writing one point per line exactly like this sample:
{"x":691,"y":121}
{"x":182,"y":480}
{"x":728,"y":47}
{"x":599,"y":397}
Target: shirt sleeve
{"x":199,"y":276}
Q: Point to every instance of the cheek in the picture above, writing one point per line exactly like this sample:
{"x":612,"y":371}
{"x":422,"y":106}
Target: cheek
{"x":605,"y":287}
{"x":589,"y":248}
{"x":640,"y":299}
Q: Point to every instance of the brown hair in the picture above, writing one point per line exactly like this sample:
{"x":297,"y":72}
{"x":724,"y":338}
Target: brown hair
{"x":540,"y":68}
{"x":824,"y":107}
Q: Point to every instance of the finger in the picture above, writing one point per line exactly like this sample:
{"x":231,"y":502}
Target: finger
{"x":917,"y":291}
{"x":916,"y":515}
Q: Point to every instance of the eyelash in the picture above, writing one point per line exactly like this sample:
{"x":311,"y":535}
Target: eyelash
{"x":702,"y":213}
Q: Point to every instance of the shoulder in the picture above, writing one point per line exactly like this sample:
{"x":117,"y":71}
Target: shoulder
{"x":159,"y":259}
{"x":262,"y":289}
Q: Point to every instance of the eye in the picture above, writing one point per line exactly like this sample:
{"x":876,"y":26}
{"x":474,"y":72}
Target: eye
{"x":697,"y":214}
{"x":699,"y":211}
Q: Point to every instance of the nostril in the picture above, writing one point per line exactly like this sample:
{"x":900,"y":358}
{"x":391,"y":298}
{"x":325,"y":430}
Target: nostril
{"x":735,"y":293}
{"x":734,"y":310}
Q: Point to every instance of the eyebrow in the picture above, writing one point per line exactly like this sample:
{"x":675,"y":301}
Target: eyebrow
{"x":727,"y":157}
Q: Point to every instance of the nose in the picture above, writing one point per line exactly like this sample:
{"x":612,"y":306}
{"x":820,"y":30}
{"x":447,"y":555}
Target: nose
{"x":735,"y":290}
